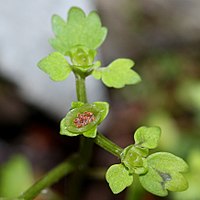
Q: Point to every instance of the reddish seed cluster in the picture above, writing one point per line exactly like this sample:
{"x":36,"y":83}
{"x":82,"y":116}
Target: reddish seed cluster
{"x":84,"y":119}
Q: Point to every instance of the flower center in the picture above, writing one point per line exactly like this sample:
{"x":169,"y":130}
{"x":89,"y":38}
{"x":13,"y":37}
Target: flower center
{"x":84,"y":119}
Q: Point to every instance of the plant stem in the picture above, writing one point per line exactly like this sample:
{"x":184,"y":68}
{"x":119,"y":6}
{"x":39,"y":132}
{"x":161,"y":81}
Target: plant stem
{"x":74,"y":163}
{"x":108,"y":145}
{"x":80,"y":88}
{"x":86,"y":146}
{"x":52,"y":177}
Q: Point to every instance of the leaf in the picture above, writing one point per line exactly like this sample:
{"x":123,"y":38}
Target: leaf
{"x":164,"y":174}
{"x":78,"y":30}
{"x":64,"y":131}
{"x":91,"y":133}
{"x":103,"y":108}
{"x":56,"y":66}
{"x":118,"y":178}
{"x":76,"y":104}
{"x":118,"y":74}
{"x":147,"y":136}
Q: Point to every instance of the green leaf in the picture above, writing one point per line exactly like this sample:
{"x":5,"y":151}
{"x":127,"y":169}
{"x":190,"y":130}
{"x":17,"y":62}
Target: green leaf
{"x":118,"y":178}
{"x":133,"y":158}
{"x":118,"y":74}
{"x":56,"y":66}
{"x":91,"y":133}
{"x":78,"y":30}
{"x":76,"y":104}
{"x":103,"y":108}
{"x":164,"y":174}
{"x":64,"y":131}
{"x":147,"y":137}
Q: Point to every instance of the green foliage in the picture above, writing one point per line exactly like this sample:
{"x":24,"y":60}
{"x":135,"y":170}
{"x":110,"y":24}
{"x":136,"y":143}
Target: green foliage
{"x":118,"y":74}
{"x":157,"y":172}
{"x":15,"y":176}
{"x":84,"y":119}
{"x":56,"y":66}
{"x":193,"y":177}
{"x":164,"y":173}
{"x":147,"y":137}
{"x":78,"y":30}
{"x":78,"y":38}
{"x":118,"y":178}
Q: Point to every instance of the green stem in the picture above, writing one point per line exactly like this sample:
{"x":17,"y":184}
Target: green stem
{"x":108,"y":145}
{"x":52,"y":177}
{"x":80,"y":88}
{"x":86,"y":146}
{"x":79,"y":164}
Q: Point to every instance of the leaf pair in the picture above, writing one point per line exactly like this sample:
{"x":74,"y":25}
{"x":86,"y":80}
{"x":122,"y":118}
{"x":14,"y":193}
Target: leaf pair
{"x":78,"y":38}
{"x":133,"y":159}
{"x":158,"y":172}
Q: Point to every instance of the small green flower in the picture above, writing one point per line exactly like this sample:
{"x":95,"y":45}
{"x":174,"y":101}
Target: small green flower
{"x":82,"y":56}
{"x":82,"y":60}
{"x":134,"y":159}
{"x":84,"y":119}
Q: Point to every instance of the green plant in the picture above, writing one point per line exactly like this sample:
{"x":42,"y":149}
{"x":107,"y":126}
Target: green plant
{"x":79,"y":38}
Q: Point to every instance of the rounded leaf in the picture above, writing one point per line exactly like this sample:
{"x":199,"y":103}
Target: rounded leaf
{"x":119,"y":73}
{"x":64,"y":131}
{"x":103,"y":108}
{"x":56,"y":66}
{"x":91,"y":133}
{"x":79,"y":29}
{"x":118,"y":178}
{"x":147,"y":137}
{"x":164,"y":173}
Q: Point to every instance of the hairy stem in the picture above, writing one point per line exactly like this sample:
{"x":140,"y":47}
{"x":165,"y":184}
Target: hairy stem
{"x":108,"y":145}
{"x":52,"y":177}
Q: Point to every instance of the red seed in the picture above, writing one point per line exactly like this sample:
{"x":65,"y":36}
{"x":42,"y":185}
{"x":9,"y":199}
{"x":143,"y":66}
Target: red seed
{"x":84,"y":119}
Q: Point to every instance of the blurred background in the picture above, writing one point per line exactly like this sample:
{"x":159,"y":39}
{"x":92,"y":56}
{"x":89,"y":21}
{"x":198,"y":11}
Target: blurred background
{"x":162,"y":37}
